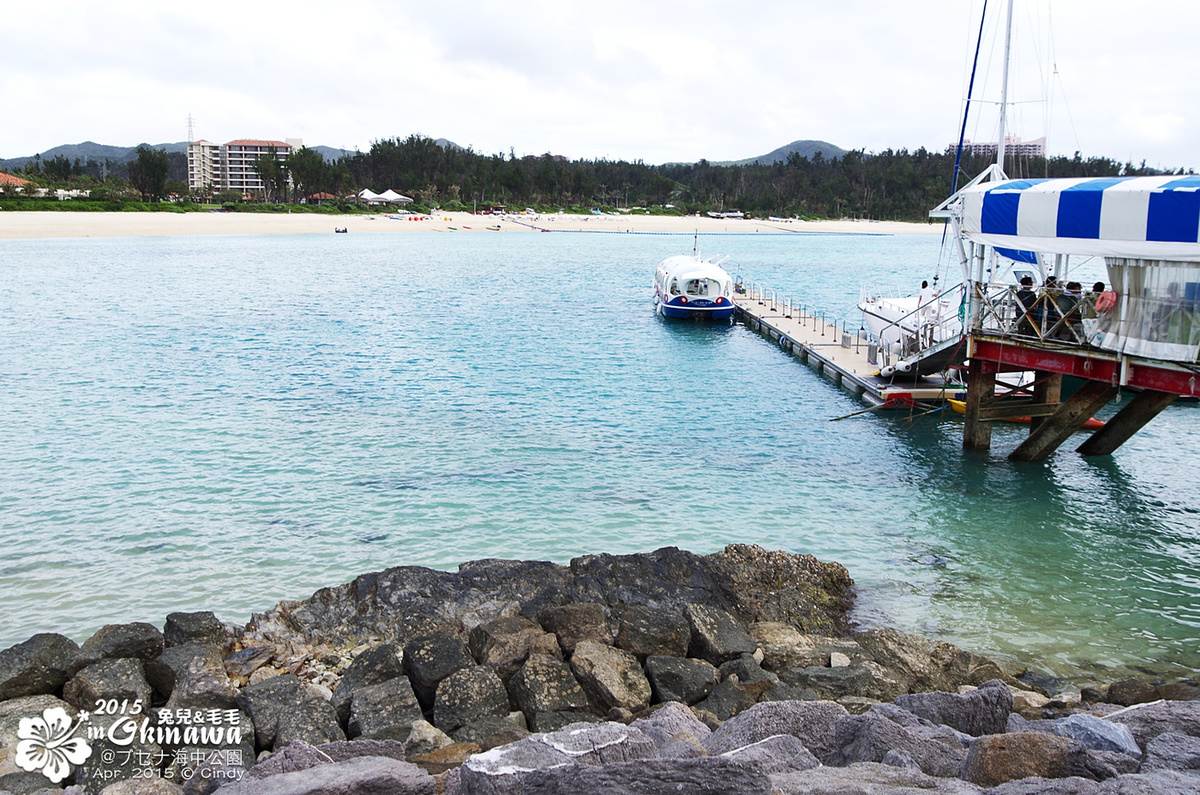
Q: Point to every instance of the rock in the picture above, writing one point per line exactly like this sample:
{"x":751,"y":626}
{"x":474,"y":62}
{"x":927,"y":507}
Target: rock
{"x":728,"y":699}
{"x":203,"y":684}
{"x":505,"y":644}
{"x":143,"y":786}
{"x":781,"y":691}
{"x":488,"y":733}
{"x":468,"y":695}
{"x":612,"y":677}
{"x":312,"y":720}
{"x":839,"y":660}
{"x":572,"y":623}
{"x":866,"y":778}
{"x":364,"y":775}
{"x":1147,"y":721}
{"x":266,"y":702}
{"x":1128,"y":692}
{"x":201,"y":627}
{"x":503,"y":770}
{"x":548,"y":722}
{"x":117,"y":641}
{"x":682,"y":679}
{"x":407,"y":602}
{"x":164,"y":670}
{"x":832,"y":683}
{"x":544,"y":685}
{"x":783,"y":646}
{"x":38,"y":666}
{"x":121,"y":679}
{"x":372,"y":667}
{"x":650,"y":777}
{"x":1179,"y":691}
{"x":669,"y":721}
{"x":716,"y":635}
{"x":646,"y":631}
{"x":1172,"y":751}
{"x":430,"y":659}
{"x":1097,"y":734}
{"x":1160,"y":781}
{"x":600,"y":743}
{"x":884,"y":728}
{"x":778,"y":754}
{"x":349,"y":749}
{"x":20,"y":783}
{"x":291,"y":758}
{"x":814,"y":723}
{"x":984,"y":710}
{"x":998,"y":758}
{"x":423,"y":738}
{"x":683,"y":746}
{"x":446,"y":758}
{"x":922,"y":665}
{"x":384,"y":711}
{"x":111,"y":761}
{"x":747,"y":670}
{"x":898,"y":758}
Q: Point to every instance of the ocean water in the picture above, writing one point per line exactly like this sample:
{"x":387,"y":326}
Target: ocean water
{"x":224,"y":422}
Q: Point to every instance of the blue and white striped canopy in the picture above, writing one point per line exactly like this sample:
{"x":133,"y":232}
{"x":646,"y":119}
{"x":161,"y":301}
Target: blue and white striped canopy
{"x":1138,"y":217}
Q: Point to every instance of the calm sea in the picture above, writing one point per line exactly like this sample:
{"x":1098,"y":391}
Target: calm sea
{"x":223,"y":422}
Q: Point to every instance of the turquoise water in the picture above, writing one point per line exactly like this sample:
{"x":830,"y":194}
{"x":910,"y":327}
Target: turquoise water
{"x":220,"y":423}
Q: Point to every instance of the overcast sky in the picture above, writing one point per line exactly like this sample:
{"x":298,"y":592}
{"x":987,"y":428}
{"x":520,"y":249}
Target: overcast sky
{"x":650,"y":80}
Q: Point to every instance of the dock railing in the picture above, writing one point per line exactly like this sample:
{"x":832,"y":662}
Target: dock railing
{"x":1046,"y":315}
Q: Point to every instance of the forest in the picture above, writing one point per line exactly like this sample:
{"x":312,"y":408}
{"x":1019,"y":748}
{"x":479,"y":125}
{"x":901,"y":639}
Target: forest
{"x":897,"y":185}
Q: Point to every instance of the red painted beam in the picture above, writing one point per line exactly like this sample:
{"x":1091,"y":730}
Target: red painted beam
{"x":1090,"y":365}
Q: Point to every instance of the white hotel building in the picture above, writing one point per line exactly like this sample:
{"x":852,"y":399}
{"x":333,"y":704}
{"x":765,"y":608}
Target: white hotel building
{"x":231,"y":166}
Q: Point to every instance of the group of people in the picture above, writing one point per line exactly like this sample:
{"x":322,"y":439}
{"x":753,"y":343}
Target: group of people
{"x":1055,"y":312}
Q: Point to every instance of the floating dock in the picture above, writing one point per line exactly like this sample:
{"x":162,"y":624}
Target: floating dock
{"x":844,"y":356}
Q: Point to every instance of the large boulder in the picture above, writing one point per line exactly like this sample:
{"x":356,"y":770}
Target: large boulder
{"x":266,"y":702}
{"x":1097,"y":734}
{"x":716,"y":635}
{"x":312,"y":720}
{"x":778,"y":754}
{"x":546,"y":685}
{"x":647,"y":631}
{"x":998,"y":758}
{"x":814,"y":723}
{"x":669,"y":721}
{"x":884,"y":729}
{"x":874,"y":778}
{"x":1147,"y":721}
{"x":373,"y":666}
{"x":38,"y":666}
{"x":651,"y":777}
{"x":784,"y":647}
{"x":506,"y":643}
{"x":612,"y":677}
{"x":682,"y":679}
{"x":575,"y":622}
{"x":923,"y":665}
{"x":203,"y":684}
{"x":467,"y":695}
{"x":984,"y":710}
{"x":728,"y":699}
{"x":116,"y":641}
{"x":430,"y":659}
{"x":201,"y":627}
{"x":363,"y":775}
{"x":121,"y":679}
{"x":169,"y":667}
{"x":384,"y":711}
{"x":1172,"y":751}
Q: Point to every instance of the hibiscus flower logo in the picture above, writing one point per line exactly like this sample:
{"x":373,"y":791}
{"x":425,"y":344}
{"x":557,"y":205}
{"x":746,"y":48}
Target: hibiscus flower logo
{"x":47,"y":744}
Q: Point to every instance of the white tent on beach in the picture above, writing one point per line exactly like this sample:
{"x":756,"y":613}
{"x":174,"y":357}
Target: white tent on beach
{"x":391,"y":197}
{"x":368,"y":195}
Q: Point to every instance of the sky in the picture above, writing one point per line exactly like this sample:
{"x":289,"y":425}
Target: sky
{"x":657,"y":80}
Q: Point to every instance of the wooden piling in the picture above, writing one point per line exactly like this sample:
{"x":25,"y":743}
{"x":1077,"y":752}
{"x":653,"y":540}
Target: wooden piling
{"x":981,"y":387}
{"x":1059,"y":426}
{"x":1047,"y":388}
{"x":1128,"y":421}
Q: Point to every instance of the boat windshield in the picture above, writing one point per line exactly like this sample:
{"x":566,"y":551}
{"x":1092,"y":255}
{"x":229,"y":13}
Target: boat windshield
{"x":702,"y":287}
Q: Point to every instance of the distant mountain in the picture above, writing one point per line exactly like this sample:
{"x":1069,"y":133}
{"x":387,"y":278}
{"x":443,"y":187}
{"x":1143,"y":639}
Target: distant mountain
{"x":803,"y":148}
{"x":90,"y":150}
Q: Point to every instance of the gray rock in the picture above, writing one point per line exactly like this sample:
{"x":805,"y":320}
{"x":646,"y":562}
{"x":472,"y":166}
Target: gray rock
{"x":291,"y":758}
{"x":546,"y":685}
{"x":201,"y":627}
{"x":489,"y":733}
{"x":372,"y":667}
{"x":1172,"y":751}
{"x":814,"y":723}
{"x":1097,"y":734}
{"x":111,"y":762}
{"x":1147,"y":721}
{"x":780,"y":691}
{"x":214,"y":772}
{"x":430,"y":659}
{"x":364,"y":775}
{"x":144,"y":786}
{"x":572,"y":623}
{"x":647,"y":631}
{"x":504,"y":644}
{"x":312,"y":720}
{"x":383,"y":711}
{"x":1156,"y":783}
{"x":38,"y":666}
{"x":747,"y":670}
{"x":164,"y":670}
{"x":612,"y":677}
{"x":547,"y":722}
{"x":922,"y":665}
{"x":870,"y":737}
{"x":503,"y":770}
{"x":424,"y":738}
{"x":22,"y":783}
{"x":120,"y":679}
{"x":351,"y":749}
{"x":716,"y":635}
{"x":266,"y":702}
{"x":710,"y":776}
{"x":203,"y":684}
{"x":116,"y":641}
{"x":682,"y":679}
{"x":668,"y":721}
{"x":1035,"y":785}
{"x":778,"y":754}
{"x":728,"y":699}
{"x":682,"y":746}
{"x":600,"y":743}
{"x":867,"y":778}
{"x":468,"y":695}
{"x":899,"y":758}
{"x":1128,"y":692}
{"x":984,"y":710}
{"x":831,"y":683}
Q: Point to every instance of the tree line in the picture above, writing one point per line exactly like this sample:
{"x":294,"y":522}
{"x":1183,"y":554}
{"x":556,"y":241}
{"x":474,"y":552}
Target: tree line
{"x":890,"y":185}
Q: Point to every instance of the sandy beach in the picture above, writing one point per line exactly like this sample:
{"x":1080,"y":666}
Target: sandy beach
{"x":29,"y":225}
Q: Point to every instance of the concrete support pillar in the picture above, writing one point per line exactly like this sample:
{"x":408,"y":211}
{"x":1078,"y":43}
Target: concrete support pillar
{"x":1059,"y":426}
{"x":1128,"y":421}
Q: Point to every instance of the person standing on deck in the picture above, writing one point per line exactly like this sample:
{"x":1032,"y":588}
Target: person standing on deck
{"x":926,"y":313}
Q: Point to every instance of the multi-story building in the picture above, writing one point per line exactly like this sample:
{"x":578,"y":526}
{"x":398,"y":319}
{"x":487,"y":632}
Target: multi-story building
{"x":230,"y":166}
{"x":1013,"y":147}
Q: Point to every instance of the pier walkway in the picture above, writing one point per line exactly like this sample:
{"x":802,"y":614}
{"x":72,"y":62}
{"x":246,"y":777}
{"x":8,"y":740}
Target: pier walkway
{"x":843,"y":355}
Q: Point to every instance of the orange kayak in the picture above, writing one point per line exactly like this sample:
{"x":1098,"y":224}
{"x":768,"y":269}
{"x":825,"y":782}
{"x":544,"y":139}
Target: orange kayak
{"x":1090,"y":424}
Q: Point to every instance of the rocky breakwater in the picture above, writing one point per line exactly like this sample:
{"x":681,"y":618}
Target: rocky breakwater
{"x":735,"y":672}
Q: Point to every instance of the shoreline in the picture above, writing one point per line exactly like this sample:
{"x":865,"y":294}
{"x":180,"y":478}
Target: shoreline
{"x":33,"y":225}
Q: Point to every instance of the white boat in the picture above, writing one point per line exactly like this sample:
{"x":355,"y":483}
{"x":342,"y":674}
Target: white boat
{"x":691,"y":287}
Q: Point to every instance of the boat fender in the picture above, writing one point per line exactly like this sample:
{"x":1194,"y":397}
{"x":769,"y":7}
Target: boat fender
{"x":888,"y":371}
{"x":903,"y":367}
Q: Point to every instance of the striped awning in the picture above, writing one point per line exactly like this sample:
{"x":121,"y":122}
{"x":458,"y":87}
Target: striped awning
{"x":1136,"y":217}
